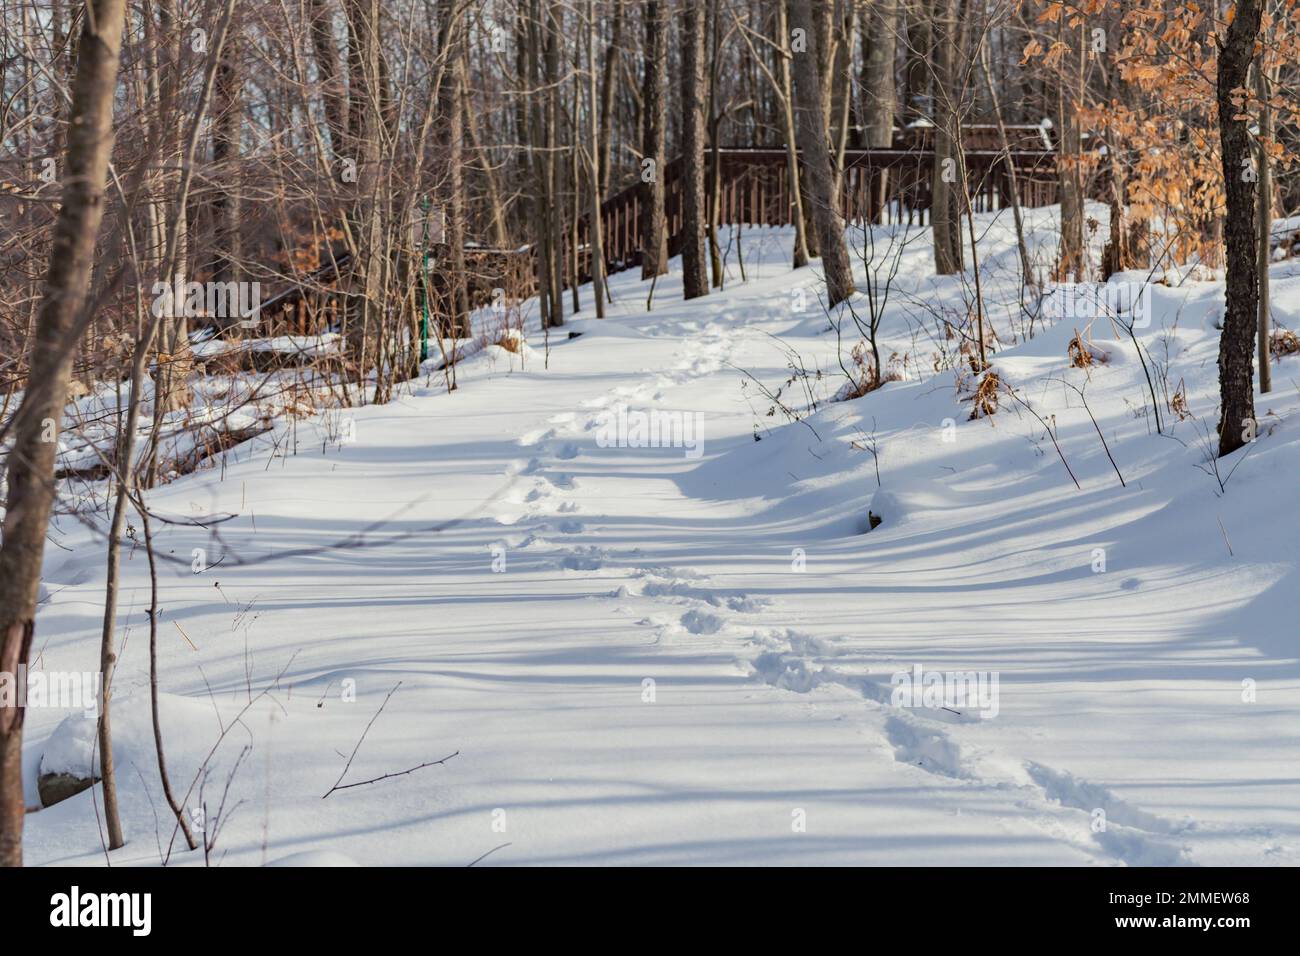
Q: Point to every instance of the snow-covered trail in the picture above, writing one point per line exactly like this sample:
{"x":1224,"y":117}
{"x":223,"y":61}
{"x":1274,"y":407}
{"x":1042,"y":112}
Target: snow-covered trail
{"x":643,"y":656}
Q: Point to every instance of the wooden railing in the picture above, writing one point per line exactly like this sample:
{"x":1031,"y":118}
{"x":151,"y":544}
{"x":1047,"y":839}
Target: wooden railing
{"x":879,"y":186}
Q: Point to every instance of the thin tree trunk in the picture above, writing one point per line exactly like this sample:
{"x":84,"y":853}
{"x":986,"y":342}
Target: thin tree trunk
{"x":594,"y":226}
{"x":945,"y":212}
{"x":31,"y":459}
{"x":327,"y":67}
{"x":817,"y":160}
{"x":1013,"y":182}
{"x":613,"y":53}
{"x":695,"y":281}
{"x":802,"y":251}
{"x":1241,"y":311}
{"x":453,"y":109}
{"x":528,"y":43}
{"x":654,"y":107}
{"x":917,"y":70}
{"x":1263,"y":91}
{"x":880,"y":93}
{"x":496,"y":210}
{"x":555,"y":168}
{"x":1070,"y":262}
{"x":178,"y":811}
{"x":174,"y":361}
{"x":844,"y":71}
{"x":226,"y":129}
{"x":715,"y":153}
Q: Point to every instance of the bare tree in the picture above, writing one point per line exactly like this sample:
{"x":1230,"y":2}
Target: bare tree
{"x":30,"y":467}
{"x":1241,"y":311}
{"x":695,"y":280}
{"x":945,"y":191}
{"x":654,"y":114}
{"x":1263,"y":89}
{"x":880,"y":25}
{"x":593,"y":169}
{"x":817,"y":158}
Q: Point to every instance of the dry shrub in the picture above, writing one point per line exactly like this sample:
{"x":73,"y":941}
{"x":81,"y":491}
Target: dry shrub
{"x":864,"y":378}
{"x":510,"y":340}
{"x":1178,"y":403}
{"x":985,"y":400}
{"x":1084,"y":354}
{"x":1284,"y":342}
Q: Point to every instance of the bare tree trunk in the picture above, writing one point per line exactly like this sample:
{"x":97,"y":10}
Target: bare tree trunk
{"x":30,"y":466}
{"x":817,"y":160}
{"x":880,"y":22}
{"x":365,"y":130}
{"x":844,"y":73}
{"x":594,"y":226}
{"x":327,"y":67}
{"x":1241,"y":311}
{"x":178,"y":811}
{"x":917,"y":71}
{"x":555,"y":169}
{"x":528,"y":45}
{"x":613,"y":54}
{"x":695,"y":280}
{"x":715,"y":156}
{"x":802,"y":250}
{"x":654,"y":106}
{"x":226,"y":128}
{"x":1070,"y":262}
{"x":1013,"y":182}
{"x":945,"y":211}
{"x":496,"y":210}
{"x":1264,"y":91}
{"x":175,"y":361}
{"x":452,"y":108}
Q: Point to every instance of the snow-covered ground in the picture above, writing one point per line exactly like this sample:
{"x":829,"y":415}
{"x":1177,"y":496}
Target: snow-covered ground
{"x":694,"y":653}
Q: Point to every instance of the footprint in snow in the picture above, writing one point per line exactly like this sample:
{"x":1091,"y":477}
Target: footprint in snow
{"x":702,"y":622}
{"x":583,"y":559}
{"x":536,"y":437}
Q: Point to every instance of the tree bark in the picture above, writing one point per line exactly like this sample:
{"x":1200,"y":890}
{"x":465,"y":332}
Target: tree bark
{"x":945,"y":207}
{"x":555,"y":168}
{"x":916,"y":72}
{"x":528,"y":45}
{"x":453,"y":115}
{"x":31,"y":461}
{"x":613,"y":54}
{"x":1241,"y":311}
{"x":1070,"y":264}
{"x":802,"y":246}
{"x":695,"y":280}
{"x":1265,"y":252}
{"x":880,"y":94}
{"x":654,"y":106}
{"x":327,"y":67}
{"x":594,"y":224}
{"x":715,"y":155}
{"x":817,"y":160}
{"x":226,"y":128}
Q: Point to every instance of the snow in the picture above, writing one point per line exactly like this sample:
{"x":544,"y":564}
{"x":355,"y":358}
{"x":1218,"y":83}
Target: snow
{"x":636,"y":656}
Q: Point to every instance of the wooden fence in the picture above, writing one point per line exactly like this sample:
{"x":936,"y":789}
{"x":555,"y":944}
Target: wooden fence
{"x":879,"y":186}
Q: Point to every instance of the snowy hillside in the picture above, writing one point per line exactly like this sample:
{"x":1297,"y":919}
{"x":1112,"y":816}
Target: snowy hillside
{"x":698,"y":649}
